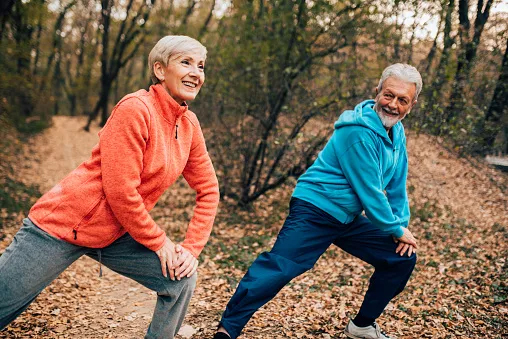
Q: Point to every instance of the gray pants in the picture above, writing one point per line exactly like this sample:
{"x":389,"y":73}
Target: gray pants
{"x":35,"y":258}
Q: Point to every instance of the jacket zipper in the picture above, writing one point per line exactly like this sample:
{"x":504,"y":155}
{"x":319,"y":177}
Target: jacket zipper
{"x":176,"y":132}
{"x":87,"y":217}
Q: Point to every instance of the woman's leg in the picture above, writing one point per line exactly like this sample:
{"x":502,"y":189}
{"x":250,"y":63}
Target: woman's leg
{"x":133,"y":260}
{"x":30,"y":263}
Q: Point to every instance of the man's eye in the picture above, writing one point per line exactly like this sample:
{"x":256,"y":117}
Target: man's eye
{"x":403,"y":101}
{"x":388,"y":96}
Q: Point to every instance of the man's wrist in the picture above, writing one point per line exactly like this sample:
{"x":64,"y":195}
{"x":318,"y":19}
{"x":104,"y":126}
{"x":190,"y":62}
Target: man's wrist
{"x":399,"y":232}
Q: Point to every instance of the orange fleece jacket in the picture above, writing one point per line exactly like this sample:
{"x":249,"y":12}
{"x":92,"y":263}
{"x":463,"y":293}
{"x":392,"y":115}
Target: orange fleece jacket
{"x":148,"y":141}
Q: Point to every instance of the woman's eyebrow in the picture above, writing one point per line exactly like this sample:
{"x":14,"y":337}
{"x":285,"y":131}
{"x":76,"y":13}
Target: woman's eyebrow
{"x":191,"y":58}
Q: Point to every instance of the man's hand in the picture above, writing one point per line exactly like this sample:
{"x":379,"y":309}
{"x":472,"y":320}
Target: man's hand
{"x":407,"y":243}
{"x":403,"y":247}
{"x":167,"y":255}
{"x":186,"y":264}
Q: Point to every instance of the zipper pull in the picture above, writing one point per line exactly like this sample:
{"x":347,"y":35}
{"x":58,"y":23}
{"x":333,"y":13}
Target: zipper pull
{"x":176,"y":132}
{"x":75,"y":234}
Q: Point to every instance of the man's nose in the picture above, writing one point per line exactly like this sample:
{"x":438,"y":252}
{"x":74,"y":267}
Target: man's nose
{"x":393,"y":103}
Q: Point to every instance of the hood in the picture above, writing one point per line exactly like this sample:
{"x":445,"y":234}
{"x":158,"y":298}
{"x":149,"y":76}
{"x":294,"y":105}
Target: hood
{"x":364,"y":115}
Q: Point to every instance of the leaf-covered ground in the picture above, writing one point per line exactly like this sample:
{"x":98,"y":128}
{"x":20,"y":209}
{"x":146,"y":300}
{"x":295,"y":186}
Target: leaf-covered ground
{"x":458,"y":290}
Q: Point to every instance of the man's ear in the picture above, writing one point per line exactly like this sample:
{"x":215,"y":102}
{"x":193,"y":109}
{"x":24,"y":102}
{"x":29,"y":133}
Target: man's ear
{"x":412,"y":105}
{"x":158,"y":70}
{"x":376,"y":90}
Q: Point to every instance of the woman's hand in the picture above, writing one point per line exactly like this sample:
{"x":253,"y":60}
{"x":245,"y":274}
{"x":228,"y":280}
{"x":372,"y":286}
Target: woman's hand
{"x":167,"y":255}
{"x":186,"y":264}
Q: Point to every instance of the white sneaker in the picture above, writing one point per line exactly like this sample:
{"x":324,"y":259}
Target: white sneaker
{"x":369,"y":332}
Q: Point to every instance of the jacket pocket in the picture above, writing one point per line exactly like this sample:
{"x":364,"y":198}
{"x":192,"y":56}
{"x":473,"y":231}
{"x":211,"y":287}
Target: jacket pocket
{"x":87,"y":217}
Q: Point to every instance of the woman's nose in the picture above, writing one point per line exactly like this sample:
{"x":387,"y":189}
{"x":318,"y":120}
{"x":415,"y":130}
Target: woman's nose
{"x":194,"y":71}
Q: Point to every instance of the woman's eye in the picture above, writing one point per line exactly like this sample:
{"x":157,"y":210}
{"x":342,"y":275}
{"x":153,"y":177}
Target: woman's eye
{"x":201,"y":67}
{"x":185,"y":62}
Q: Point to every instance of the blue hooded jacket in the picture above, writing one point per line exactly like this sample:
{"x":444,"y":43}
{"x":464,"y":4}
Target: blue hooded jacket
{"x":361,"y":168}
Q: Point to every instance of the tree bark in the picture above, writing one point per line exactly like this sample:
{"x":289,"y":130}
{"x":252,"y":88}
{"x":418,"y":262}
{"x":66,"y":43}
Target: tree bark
{"x":204,"y":28}
{"x":57,"y":46}
{"x":111,"y":64}
{"x":23,"y":38}
{"x":498,"y":106}
{"x":467,"y":54}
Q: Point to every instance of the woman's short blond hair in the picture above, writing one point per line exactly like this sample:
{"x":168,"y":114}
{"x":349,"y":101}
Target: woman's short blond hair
{"x":171,"y":47}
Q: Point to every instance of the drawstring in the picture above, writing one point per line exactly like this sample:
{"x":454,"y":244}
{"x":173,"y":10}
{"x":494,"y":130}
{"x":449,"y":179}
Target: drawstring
{"x":99,"y":253}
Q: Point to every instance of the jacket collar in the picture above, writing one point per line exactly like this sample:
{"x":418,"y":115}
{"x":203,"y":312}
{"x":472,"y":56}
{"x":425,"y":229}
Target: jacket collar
{"x":169,"y":108}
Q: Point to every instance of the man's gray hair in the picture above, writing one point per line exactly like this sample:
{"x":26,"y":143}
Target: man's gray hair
{"x":171,"y":47}
{"x":403,"y":72}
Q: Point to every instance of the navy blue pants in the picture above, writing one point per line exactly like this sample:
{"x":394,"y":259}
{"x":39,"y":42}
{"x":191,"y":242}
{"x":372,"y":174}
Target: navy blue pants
{"x":307,"y":232}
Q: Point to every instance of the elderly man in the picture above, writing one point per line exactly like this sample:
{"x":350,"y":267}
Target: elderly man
{"x":363,"y":167}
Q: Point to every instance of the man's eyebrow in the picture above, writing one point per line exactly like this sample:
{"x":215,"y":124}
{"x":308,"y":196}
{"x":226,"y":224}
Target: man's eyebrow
{"x":402,"y":96}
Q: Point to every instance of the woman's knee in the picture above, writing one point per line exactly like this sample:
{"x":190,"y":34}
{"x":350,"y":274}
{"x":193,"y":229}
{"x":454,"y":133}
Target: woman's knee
{"x":190,"y":282}
{"x":178,"y":287}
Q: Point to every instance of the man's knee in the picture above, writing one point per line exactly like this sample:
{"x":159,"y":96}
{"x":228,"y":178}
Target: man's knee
{"x":409,"y":262}
{"x":397,"y":262}
{"x":412,"y":260}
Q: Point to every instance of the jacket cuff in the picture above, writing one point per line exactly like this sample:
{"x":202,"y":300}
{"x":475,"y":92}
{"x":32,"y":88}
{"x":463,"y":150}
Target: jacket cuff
{"x":399,"y":232}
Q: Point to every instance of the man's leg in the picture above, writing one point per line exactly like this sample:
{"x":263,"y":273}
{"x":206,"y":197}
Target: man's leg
{"x":133,"y":260}
{"x":30,"y":263}
{"x":392,"y":271}
{"x":306,"y":234}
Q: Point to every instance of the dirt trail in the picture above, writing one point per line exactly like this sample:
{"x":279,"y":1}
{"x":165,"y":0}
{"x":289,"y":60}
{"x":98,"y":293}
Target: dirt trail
{"x":87,"y":306}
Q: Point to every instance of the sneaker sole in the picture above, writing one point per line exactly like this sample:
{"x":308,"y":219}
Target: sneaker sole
{"x":352,"y":336}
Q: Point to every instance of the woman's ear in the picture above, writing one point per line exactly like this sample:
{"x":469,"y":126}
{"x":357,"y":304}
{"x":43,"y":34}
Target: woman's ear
{"x":158,"y":70}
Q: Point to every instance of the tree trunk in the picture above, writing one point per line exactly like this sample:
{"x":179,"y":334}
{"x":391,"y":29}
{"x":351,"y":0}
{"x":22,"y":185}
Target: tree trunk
{"x":204,"y":28}
{"x":111,"y":64}
{"x":37,"y":44}
{"x":432,"y":52}
{"x":6,"y":8}
{"x":23,"y":38}
{"x":498,"y":106}
{"x":467,"y":54}
{"x":102,"y":104}
{"x":57,"y":45}
{"x":433,"y":93}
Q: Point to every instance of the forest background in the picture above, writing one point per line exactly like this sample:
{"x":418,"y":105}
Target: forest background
{"x":274,"y":67}
{"x":278,"y":74}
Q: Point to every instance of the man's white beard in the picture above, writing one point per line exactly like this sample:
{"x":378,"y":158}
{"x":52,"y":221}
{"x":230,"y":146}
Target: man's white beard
{"x":387,"y":121}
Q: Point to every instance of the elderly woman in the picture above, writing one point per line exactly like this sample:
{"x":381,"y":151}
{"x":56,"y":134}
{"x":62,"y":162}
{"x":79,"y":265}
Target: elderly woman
{"x":101,"y":209}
